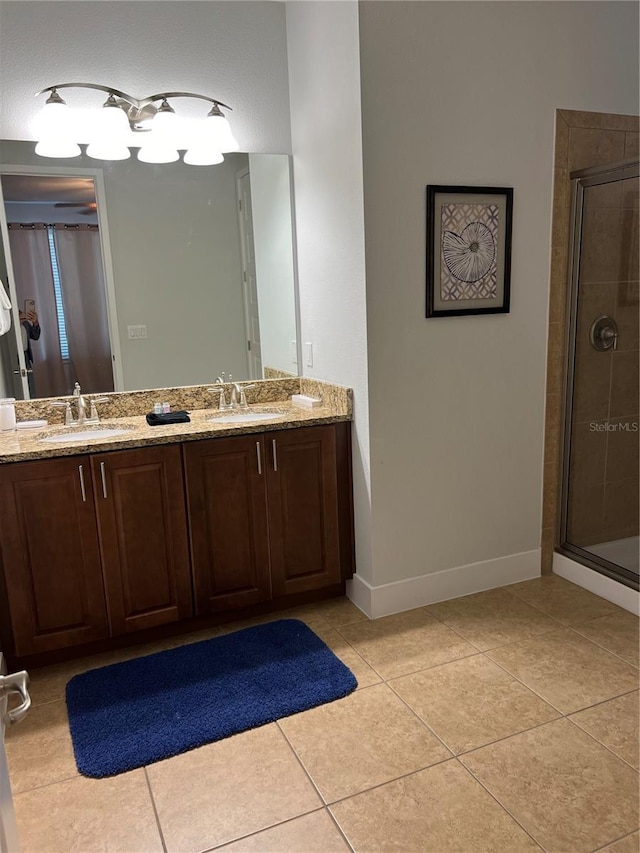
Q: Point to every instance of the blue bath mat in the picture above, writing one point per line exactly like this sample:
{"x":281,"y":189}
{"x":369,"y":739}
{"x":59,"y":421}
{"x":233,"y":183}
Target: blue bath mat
{"x":134,"y":713}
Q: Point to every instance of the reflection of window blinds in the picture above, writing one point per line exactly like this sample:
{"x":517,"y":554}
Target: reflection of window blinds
{"x":62,"y":326}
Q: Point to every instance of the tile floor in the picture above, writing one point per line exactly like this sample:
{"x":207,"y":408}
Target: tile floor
{"x":503,"y":721}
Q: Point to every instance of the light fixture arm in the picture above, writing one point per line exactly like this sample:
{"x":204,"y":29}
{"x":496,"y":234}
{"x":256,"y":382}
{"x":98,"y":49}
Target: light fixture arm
{"x":108,"y":89}
{"x":139,"y":103}
{"x":166,"y":95}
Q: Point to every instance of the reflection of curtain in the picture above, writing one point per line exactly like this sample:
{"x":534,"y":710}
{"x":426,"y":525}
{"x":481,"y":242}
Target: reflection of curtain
{"x":85,"y":306}
{"x":34,"y":280}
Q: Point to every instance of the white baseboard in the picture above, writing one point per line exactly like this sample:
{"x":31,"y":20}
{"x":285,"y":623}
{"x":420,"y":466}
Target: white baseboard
{"x":402,"y":595}
{"x":601,"y":585}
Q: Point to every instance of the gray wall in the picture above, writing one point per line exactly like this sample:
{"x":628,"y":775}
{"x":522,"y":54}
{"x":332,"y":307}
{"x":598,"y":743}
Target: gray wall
{"x":465,"y":93}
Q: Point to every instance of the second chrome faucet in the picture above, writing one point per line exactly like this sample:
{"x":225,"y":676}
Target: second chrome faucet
{"x":238,"y":398}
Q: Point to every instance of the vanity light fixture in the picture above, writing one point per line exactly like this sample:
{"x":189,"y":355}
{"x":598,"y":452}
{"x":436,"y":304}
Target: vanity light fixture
{"x":124,"y":122}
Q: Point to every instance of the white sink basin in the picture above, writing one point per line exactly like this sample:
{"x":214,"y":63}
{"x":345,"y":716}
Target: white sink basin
{"x":241,"y":417}
{"x":84,"y":435}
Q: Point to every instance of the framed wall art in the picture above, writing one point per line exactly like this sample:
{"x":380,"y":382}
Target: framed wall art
{"x":468,"y":250}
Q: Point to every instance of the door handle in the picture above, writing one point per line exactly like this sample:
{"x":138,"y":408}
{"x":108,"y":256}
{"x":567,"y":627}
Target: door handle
{"x":17,"y":682}
{"x":274,"y":448}
{"x":82,"y":489}
{"x":259,"y":457}
{"x":103,"y":477}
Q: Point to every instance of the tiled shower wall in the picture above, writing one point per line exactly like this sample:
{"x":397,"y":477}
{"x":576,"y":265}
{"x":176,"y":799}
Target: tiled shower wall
{"x":605,"y":484}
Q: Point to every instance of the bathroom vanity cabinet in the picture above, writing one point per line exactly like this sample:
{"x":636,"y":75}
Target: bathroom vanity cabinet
{"x":266,"y":515}
{"x":109,"y":544}
{"x":93,"y":546}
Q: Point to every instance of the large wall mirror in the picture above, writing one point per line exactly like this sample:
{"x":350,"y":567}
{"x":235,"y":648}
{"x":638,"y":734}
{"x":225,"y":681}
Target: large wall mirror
{"x":145,"y":276}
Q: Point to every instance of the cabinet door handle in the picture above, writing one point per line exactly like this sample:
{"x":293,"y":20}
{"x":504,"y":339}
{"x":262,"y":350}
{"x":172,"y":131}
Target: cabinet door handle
{"x":82,"y":488}
{"x":103,"y":476}
{"x":259,"y":457}
{"x":275,"y":455}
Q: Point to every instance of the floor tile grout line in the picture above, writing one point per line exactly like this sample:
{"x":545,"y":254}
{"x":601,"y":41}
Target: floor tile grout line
{"x":600,"y":646}
{"x":336,"y":823}
{"x":507,"y":737}
{"x":258,"y":831}
{"x":300,"y":762}
{"x":548,"y":701}
{"x":494,"y":589}
{"x":511,"y":642}
{"x":419,"y":718}
{"x":325,"y":804}
{"x":390,"y":781}
{"x":429,"y":668}
{"x":524,"y":684}
{"x":614,"y":607}
{"x":155,"y":810}
{"x":603,"y":701}
{"x":614,"y":841}
{"x":353,"y":649}
{"x":379,"y":674}
{"x":47,"y":784}
{"x":601,"y":743}
{"x":500,"y":804}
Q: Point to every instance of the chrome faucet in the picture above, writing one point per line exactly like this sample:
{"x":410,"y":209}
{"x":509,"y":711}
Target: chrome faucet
{"x":238,"y":391}
{"x":80,"y":404}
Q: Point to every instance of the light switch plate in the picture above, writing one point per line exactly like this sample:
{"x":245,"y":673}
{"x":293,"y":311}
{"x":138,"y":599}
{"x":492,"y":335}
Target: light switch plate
{"x":136,"y":333}
{"x":308,"y":354}
{"x":294,"y":352}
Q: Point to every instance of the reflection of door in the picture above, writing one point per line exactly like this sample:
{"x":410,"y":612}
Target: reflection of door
{"x":249,"y":284}
{"x":15,"y":683}
{"x":64,"y":267}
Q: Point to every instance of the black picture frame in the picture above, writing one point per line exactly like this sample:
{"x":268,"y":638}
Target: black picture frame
{"x":452,"y":264}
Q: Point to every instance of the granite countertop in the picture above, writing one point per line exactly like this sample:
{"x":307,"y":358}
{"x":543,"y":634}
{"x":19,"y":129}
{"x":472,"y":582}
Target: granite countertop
{"x":24,"y":445}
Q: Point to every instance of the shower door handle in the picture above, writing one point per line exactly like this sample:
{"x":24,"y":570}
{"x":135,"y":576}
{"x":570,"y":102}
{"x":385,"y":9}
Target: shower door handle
{"x":603,"y":333}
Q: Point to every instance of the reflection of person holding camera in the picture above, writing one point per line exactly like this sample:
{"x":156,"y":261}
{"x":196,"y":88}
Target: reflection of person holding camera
{"x":30,"y":332}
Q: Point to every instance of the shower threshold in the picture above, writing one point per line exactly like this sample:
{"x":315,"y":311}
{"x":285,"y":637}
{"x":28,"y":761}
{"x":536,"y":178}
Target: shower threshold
{"x":622,"y":552}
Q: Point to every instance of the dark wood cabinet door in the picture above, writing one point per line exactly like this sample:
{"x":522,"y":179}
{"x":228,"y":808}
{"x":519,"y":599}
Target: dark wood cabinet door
{"x":142,"y":522}
{"x":54,"y":595}
{"x":226,"y":497}
{"x":303,"y":509}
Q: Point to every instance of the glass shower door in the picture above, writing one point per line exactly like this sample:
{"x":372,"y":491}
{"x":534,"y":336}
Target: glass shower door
{"x":600,"y":478}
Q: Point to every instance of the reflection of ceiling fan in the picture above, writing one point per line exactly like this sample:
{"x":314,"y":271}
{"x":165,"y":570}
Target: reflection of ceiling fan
{"x":89,"y":207}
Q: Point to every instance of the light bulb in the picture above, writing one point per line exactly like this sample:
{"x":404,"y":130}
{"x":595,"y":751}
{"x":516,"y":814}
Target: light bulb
{"x":114,"y":122}
{"x":54,"y":127}
{"x":108,"y":150}
{"x":202,"y":156}
{"x":219,"y":133}
{"x":55,"y":117}
{"x":53,"y":146}
{"x":157,"y":153}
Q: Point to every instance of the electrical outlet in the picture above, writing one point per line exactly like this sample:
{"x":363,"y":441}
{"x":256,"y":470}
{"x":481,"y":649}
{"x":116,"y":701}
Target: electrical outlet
{"x":136,"y":333}
{"x":294,"y":352}
{"x":308,"y":353}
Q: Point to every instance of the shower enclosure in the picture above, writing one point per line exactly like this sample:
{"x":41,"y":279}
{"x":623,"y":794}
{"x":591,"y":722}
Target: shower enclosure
{"x":599,"y":501}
